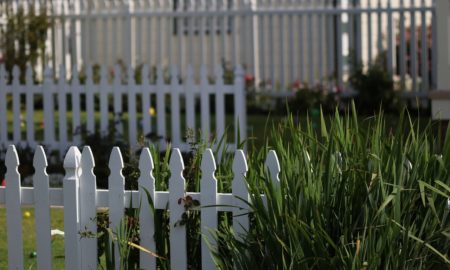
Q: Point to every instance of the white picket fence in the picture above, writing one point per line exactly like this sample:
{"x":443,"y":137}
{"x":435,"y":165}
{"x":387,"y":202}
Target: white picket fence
{"x":17,"y":101}
{"x":279,"y":42}
{"x":80,"y":200}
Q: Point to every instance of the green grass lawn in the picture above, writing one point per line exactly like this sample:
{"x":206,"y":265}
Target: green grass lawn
{"x":29,"y":239}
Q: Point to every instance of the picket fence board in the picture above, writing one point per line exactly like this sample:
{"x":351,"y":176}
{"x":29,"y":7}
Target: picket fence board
{"x":88,"y":210}
{"x":49,"y":109}
{"x":190,"y":101}
{"x":16,"y":104}
{"x":13,"y":211}
{"x":81,"y":199}
{"x":220,"y":102}
{"x":146,"y":220}
{"x":240,"y":168}
{"x":76,"y":110}
{"x":116,"y":186}
{"x":71,"y":210}
{"x":204,"y":104}
{"x":175,"y":106}
{"x":177,"y":236}
{"x":62,"y":107}
{"x":42,"y":210}
{"x":208,"y":215}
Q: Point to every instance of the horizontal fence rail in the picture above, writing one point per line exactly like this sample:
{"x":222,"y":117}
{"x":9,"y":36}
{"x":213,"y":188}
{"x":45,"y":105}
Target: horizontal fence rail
{"x":160,"y":106}
{"x":281,"y":44}
{"x":81,"y":199}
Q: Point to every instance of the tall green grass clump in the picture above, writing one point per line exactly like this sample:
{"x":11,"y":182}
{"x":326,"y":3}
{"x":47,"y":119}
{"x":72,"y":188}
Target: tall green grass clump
{"x":352,"y":195}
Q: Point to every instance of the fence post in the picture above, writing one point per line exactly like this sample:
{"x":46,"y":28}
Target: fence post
{"x":440,"y":97}
{"x":71,"y":209}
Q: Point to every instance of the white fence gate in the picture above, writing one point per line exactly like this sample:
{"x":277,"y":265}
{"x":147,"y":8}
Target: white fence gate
{"x":167,"y":109}
{"x":80,"y":200}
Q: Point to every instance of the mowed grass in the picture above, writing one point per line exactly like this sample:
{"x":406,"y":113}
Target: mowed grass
{"x":29,"y":238}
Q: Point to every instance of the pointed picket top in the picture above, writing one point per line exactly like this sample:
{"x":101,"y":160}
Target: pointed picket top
{"x":72,"y":162}
{"x":189,"y":74}
{"x":40,"y":159}
{"x":176,"y":163}
{"x":89,"y":74}
{"x":12,"y":159}
{"x":239,"y":163}
{"x":204,"y":75}
{"x":219,"y":74}
{"x":159,"y":75}
{"x":29,"y":75}
{"x":208,"y":165}
{"x":75,"y":75}
{"x":117,"y":74}
{"x":103,"y":75}
{"x":87,"y":160}
{"x":145,"y":71}
{"x":130,"y":76}
{"x":115,"y":160}
{"x":16,"y":75}
{"x":273,"y":165}
{"x":174,"y":75}
{"x":62,"y":74}
{"x":146,"y":161}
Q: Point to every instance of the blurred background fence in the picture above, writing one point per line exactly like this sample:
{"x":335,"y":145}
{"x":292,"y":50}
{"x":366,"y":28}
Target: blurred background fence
{"x":281,"y":43}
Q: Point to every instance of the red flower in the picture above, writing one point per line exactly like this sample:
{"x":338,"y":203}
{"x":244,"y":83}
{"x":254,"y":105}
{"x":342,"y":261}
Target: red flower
{"x":296,"y":84}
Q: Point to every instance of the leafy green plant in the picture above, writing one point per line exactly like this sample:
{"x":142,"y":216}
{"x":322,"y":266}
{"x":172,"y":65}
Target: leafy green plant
{"x":375,"y":88}
{"x":313,"y":98}
{"x":348,"y":198}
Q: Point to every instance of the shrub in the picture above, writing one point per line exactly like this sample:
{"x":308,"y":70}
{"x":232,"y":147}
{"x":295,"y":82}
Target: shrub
{"x":313,"y":98}
{"x":375,"y":87}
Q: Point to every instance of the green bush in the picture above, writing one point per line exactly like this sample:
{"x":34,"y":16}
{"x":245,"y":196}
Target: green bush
{"x":375,"y":88}
{"x":313,"y":98}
